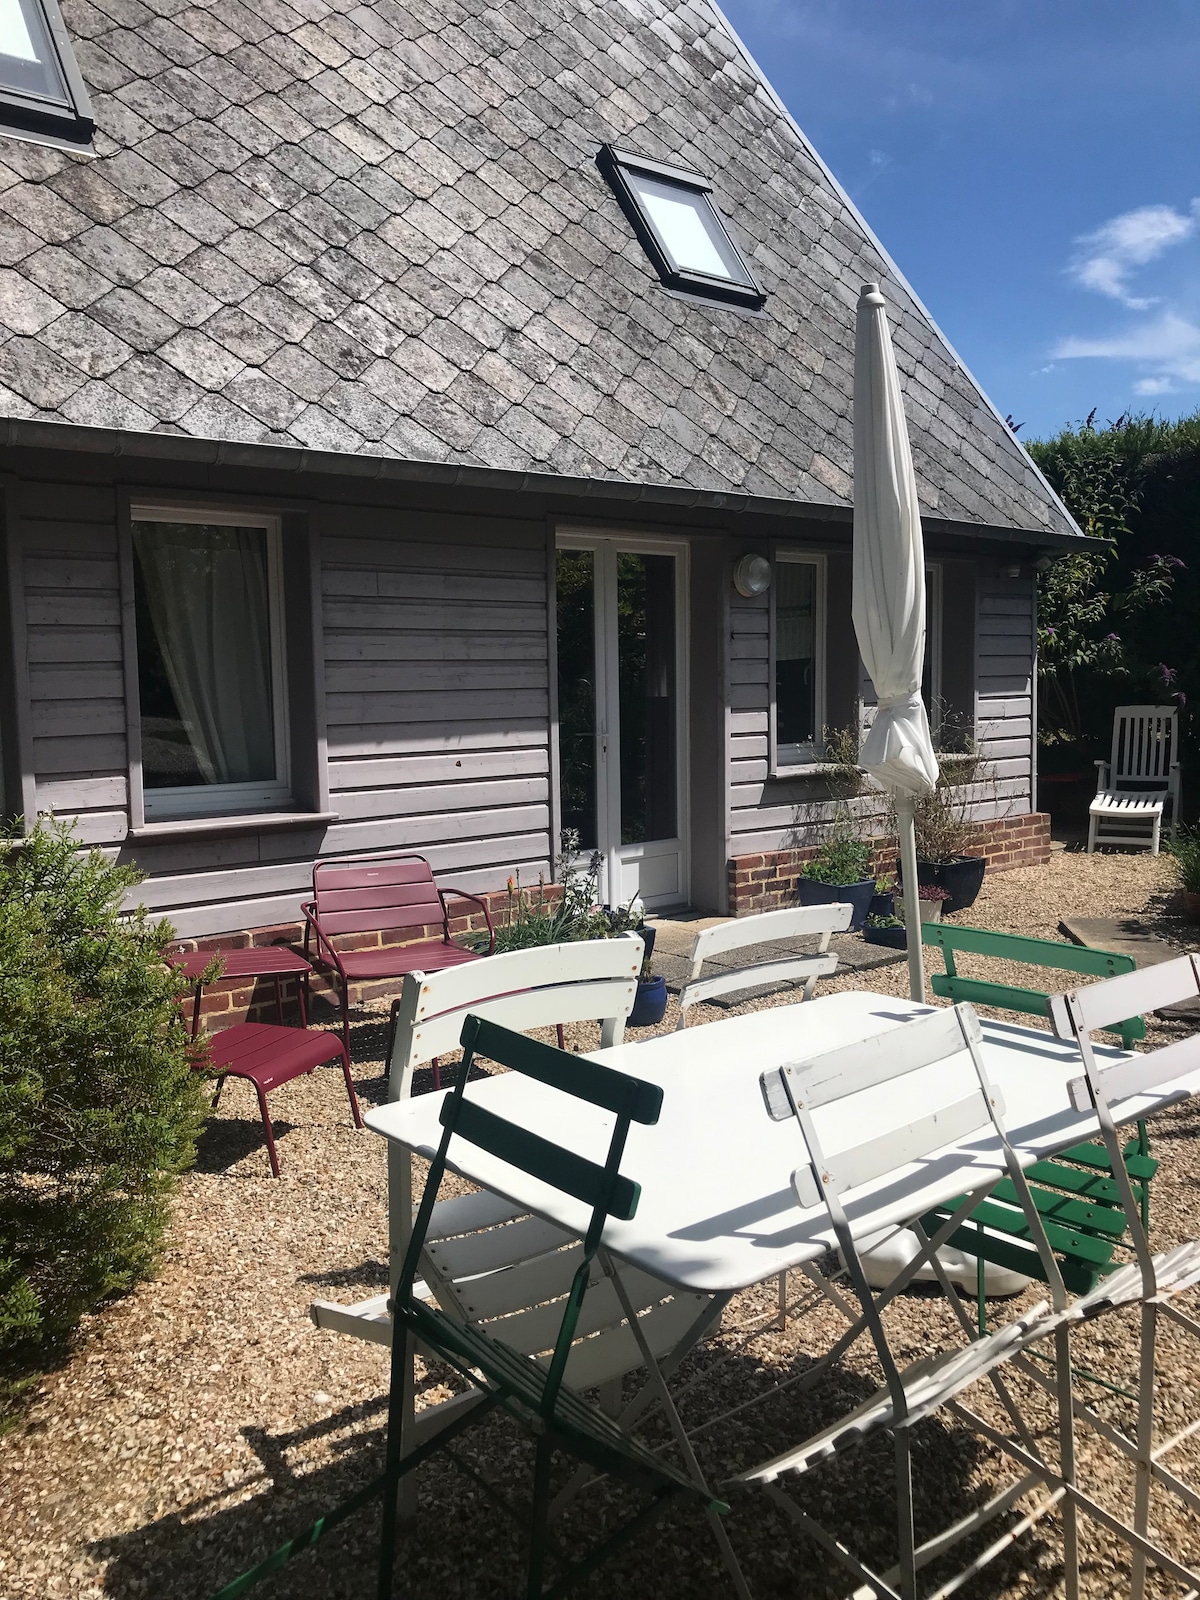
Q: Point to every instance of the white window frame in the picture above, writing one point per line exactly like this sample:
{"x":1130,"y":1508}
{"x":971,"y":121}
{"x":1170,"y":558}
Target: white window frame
{"x":205,"y":800}
{"x":793,"y":759}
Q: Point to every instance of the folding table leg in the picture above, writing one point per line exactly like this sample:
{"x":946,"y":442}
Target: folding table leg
{"x":1066,"y":1463}
{"x":905,"y":1531}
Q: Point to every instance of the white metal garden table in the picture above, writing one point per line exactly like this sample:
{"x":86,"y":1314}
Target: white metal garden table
{"x":718,"y":1212}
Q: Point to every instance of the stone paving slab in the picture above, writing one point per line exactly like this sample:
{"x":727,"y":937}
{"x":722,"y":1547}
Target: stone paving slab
{"x":1127,"y":936}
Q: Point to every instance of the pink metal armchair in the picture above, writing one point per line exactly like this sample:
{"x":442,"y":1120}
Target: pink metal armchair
{"x":371,"y":895}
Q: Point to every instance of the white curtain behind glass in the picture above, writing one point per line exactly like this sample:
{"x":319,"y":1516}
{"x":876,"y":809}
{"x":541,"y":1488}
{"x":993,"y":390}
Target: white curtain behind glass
{"x":207,"y":589}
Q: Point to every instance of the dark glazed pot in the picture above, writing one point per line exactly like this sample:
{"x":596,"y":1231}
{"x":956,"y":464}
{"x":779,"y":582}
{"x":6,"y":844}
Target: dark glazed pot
{"x":960,"y":876}
{"x":651,"y":1003}
{"x":858,"y":895}
{"x":882,"y":905}
{"x":894,"y":938}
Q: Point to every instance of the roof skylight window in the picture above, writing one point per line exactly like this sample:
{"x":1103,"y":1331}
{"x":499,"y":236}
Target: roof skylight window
{"x":41,"y":92}
{"x":680,"y":229}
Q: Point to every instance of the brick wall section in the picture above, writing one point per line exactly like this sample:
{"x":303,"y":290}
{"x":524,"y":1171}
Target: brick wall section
{"x":253,"y":1000}
{"x":766,"y":882}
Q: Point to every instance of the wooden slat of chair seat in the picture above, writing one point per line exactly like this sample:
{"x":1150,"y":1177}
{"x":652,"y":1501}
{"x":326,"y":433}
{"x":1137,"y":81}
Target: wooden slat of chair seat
{"x":1061,"y":1172}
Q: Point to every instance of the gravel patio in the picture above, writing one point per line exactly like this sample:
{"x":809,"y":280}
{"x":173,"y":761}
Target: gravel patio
{"x":204,"y":1419}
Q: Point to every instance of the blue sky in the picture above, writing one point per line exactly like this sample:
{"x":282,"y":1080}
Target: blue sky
{"x":1033,"y":169}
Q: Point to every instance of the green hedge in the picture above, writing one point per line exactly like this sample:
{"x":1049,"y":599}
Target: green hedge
{"x":99,"y":1107}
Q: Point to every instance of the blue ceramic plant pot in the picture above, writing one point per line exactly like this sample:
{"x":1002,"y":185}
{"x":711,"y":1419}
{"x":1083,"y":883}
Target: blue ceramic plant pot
{"x":858,"y":895}
{"x":651,"y":1003}
{"x":894,"y":938}
{"x":882,"y":905}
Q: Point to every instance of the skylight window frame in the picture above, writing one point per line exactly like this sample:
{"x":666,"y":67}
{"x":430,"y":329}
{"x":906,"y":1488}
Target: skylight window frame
{"x":69,"y":123}
{"x":616,"y":165}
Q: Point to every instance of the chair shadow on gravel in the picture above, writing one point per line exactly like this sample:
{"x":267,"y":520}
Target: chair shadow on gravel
{"x":365,"y":1275}
{"x":228,"y":1140}
{"x":190,"y":1553}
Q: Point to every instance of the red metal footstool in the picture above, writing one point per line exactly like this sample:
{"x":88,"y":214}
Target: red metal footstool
{"x":267,"y":1055}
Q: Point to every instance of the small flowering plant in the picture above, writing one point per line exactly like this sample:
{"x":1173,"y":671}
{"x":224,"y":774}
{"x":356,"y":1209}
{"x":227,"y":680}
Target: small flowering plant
{"x":931,"y":891}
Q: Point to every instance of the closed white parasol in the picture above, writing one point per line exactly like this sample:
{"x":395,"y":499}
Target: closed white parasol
{"x":889,"y":592}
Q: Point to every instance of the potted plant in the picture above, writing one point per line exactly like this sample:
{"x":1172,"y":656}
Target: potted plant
{"x":931,"y":902}
{"x":883,"y":900}
{"x":650,"y":1003}
{"x":1185,"y":852}
{"x":840,"y":872}
{"x":886,"y":930}
{"x":944,"y":837}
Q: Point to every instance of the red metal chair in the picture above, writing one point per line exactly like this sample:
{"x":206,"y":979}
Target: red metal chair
{"x":373,"y":895}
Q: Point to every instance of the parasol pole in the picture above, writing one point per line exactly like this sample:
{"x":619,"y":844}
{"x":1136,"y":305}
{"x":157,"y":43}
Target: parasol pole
{"x":905,"y":804}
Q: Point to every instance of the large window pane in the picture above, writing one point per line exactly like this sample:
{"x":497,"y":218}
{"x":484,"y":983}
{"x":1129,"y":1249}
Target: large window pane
{"x":646,"y":666}
{"x":576,"y":607}
{"x":205,"y":682}
{"x":28,"y":59}
{"x":795,"y":653}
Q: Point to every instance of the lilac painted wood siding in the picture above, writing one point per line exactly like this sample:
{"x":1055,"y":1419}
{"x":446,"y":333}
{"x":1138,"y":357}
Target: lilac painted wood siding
{"x":435,"y":657}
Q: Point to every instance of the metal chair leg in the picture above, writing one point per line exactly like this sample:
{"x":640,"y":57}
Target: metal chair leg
{"x":358,"y":1121}
{"x":401,"y":1361}
{"x":266,"y":1118}
{"x":538,"y":1518}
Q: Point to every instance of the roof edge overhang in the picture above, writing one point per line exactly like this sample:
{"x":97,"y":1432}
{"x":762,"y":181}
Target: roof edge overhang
{"x":36,"y":434}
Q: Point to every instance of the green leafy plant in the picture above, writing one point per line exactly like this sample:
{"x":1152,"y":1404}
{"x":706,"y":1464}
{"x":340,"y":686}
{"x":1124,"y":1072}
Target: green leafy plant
{"x":1106,"y":615}
{"x":841,"y":859}
{"x":884,"y":922}
{"x":99,"y":1105}
{"x":1185,"y":852}
{"x":560,"y":915}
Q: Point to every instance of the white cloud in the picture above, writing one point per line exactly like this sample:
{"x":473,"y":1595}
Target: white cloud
{"x":1135,"y":238}
{"x":1170,"y":345}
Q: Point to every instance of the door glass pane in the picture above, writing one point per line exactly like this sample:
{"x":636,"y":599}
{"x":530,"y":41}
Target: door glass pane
{"x":204,"y":654}
{"x":646,"y":668}
{"x":795,"y":653}
{"x":576,"y":606}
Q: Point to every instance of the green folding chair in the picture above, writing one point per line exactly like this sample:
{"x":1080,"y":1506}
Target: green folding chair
{"x":1076,"y":1192}
{"x":533,"y":1393}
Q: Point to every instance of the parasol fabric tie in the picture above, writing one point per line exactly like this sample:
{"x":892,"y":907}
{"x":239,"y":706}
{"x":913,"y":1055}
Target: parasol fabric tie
{"x":900,"y":702}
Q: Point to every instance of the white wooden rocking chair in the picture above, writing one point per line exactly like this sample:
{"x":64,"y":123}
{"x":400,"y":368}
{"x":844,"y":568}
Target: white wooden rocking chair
{"x":1138,"y":781}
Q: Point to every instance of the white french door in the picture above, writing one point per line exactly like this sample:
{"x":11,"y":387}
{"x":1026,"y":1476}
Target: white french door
{"x":621,"y":609}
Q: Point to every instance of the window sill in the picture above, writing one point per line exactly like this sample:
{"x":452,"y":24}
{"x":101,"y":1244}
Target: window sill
{"x":216,"y":827}
{"x":803,"y":769}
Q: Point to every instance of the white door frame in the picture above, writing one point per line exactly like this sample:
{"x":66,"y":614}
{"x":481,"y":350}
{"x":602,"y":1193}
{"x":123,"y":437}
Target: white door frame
{"x":616,"y":857}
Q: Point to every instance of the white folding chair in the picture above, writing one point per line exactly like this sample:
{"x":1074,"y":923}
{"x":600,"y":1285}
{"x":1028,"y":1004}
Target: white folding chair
{"x":958,"y":1105}
{"x":1154,"y":1281}
{"x":491,"y":1263}
{"x":766,"y":928}
{"x":1139,"y":779}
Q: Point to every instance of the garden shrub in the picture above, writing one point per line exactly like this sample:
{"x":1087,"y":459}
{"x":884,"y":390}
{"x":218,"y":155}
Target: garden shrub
{"x":99,"y":1107}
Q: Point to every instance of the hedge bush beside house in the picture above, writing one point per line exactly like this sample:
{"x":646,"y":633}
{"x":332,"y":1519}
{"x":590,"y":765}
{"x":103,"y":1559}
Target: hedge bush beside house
{"x":99,"y":1107}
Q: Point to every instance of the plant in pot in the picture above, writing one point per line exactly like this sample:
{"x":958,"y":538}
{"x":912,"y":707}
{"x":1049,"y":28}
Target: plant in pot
{"x":886,"y":930}
{"x":931,"y":902}
{"x":650,"y":1003}
{"x":883,"y":901}
{"x":1185,"y":852}
{"x":840,"y":872}
{"x":944,"y":838}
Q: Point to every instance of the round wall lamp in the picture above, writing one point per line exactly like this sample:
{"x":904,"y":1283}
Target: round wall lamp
{"x":752,"y":576}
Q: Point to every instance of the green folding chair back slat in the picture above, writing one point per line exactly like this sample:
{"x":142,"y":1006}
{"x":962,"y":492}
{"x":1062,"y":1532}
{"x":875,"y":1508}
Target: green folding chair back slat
{"x":1075,"y":1191}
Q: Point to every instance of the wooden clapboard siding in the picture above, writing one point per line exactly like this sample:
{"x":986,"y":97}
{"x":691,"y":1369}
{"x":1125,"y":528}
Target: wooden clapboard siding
{"x":74,"y":652}
{"x":1005,"y":655}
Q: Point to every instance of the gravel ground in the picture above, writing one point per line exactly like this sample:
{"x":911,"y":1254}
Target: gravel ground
{"x":203,"y":1419}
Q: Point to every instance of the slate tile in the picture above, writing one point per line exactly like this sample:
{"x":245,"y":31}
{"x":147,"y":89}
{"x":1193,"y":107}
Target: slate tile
{"x":409,"y":441}
{"x":200,"y":358}
{"x":451,"y":422}
{"x":280,"y":313}
{"x":63,"y":275}
{"x":178,"y":296}
{"x":37,"y":373}
{"x":315,"y":294}
{"x":274,"y":404}
{"x":87,"y":190}
{"x":98,"y":405}
{"x":110,"y":253}
{"x":44,"y":213}
{"x":258,"y":260}
{"x":319,"y":430}
{"x":221,"y":275}
{"x":17,"y":243}
{"x":369,"y":329}
{"x":198,"y":217}
{"x":243,"y":335}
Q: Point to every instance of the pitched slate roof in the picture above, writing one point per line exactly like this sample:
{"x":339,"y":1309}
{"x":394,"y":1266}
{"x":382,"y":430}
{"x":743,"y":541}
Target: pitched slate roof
{"x":381,"y":230}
